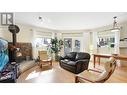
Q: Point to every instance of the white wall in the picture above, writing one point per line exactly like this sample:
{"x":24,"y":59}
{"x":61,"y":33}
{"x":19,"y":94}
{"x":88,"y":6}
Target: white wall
{"x":86,"y":42}
{"x":4,"y":33}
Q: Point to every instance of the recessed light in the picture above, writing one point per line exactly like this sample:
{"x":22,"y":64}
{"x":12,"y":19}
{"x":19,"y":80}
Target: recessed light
{"x":39,"y":17}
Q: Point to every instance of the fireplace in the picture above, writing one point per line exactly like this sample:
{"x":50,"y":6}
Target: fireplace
{"x":18,"y":51}
{"x":23,"y":52}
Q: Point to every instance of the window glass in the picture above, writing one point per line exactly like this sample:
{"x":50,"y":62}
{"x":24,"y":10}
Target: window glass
{"x":40,"y":42}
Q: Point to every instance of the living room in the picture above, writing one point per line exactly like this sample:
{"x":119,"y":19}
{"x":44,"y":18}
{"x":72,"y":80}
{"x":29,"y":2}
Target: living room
{"x":69,"y":33}
{"x":102,"y":35}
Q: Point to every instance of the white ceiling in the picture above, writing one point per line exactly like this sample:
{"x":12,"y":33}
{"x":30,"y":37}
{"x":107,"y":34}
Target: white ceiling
{"x":69,"y":20}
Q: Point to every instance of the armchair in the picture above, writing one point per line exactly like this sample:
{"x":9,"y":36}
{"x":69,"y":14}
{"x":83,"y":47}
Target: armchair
{"x":44,"y":60}
{"x":89,"y":76}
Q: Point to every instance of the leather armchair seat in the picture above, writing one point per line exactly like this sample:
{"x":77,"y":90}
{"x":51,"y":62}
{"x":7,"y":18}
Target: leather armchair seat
{"x":75,"y":62}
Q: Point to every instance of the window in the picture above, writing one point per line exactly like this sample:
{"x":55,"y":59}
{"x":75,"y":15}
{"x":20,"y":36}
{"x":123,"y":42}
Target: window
{"x":106,"y":42}
{"x":41,"y":42}
{"x":106,"y":39}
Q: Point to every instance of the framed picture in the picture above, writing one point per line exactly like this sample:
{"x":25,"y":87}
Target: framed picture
{"x":77,"y":43}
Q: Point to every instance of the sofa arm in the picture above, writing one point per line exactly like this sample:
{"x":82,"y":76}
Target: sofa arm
{"x":61,"y":57}
{"x":82,"y":64}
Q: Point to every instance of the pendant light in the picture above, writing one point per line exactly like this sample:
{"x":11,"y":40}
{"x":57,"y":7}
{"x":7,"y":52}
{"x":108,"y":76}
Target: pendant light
{"x":115,"y":26}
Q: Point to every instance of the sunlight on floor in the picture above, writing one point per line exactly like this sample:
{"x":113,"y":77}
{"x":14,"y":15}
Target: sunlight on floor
{"x":47,"y":76}
{"x":47,"y":72}
{"x":33,"y":74}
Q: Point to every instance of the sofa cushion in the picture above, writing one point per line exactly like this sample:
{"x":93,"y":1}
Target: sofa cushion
{"x":65,"y":61}
{"x":71,"y":63}
{"x":81,"y":55}
{"x":71,"y":56}
{"x":25,"y":65}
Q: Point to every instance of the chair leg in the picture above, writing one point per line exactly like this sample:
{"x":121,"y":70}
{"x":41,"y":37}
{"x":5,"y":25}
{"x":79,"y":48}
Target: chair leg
{"x":41,"y":66}
{"x":76,"y":79}
{"x":51,"y":63}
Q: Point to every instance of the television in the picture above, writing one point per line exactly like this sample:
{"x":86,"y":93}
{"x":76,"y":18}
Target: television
{"x":4,"y":58}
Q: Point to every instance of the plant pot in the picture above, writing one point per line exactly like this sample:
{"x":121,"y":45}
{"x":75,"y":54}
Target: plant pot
{"x":56,"y":57}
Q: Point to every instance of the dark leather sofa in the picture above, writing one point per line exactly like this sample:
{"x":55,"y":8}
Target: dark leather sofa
{"x":75,"y":62}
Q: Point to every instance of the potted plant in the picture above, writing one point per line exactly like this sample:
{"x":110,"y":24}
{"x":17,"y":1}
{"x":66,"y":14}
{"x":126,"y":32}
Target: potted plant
{"x":55,"y":47}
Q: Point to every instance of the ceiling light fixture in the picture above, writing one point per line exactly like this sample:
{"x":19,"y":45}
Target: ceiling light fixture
{"x":115,"y":25}
{"x":40,"y":18}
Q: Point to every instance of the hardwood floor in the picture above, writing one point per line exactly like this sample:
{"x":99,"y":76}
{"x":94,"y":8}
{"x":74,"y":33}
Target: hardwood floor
{"x":58,"y":75}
